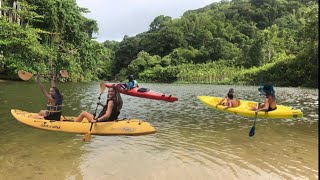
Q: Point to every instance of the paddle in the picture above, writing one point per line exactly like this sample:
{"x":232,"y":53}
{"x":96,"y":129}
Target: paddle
{"x":64,"y":73}
{"x":87,"y":136}
{"x":253,"y":128}
{"x":24,"y":75}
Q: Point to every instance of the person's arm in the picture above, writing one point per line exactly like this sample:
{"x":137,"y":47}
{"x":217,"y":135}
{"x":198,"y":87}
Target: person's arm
{"x":221,"y":101}
{"x":108,"y":112}
{"x":53,"y":81}
{"x":43,"y":90}
{"x":126,"y":88}
{"x":129,"y":86}
{"x":135,"y":83}
{"x":229,"y":104}
{"x":265,"y":106}
{"x":99,"y":103}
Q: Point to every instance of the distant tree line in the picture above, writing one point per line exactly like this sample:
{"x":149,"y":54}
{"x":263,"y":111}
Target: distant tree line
{"x":228,"y":42}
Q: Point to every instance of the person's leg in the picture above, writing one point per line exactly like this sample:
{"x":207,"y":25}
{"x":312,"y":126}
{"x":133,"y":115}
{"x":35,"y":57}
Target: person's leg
{"x":84,"y":114}
{"x":259,"y":105}
{"x":42,"y":113}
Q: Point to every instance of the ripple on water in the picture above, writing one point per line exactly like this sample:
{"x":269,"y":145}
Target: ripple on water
{"x":192,"y":141}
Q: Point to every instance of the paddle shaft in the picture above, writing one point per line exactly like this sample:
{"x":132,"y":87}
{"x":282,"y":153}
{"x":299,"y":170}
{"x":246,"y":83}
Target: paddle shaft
{"x":87,"y":136}
{"x":91,"y":127}
{"x":95,"y":112}
{"x":253,"y":128}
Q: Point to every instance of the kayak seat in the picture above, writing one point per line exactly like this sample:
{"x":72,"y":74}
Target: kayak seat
{"x":143,"y":90}
{"x":53,"y":115}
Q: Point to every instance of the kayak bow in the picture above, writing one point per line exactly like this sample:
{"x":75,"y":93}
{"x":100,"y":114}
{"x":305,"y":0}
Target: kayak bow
{"x":144,"y":93}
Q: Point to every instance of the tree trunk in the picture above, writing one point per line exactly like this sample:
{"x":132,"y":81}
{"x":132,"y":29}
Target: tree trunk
{"x":16,"y":7}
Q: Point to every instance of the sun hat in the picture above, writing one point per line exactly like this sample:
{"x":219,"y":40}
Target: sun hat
{"x":266,"y":89}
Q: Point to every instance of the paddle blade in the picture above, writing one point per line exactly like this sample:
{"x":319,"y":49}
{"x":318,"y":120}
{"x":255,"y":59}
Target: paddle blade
{"x":252,"y":131}
{"x":64,"y":73}
{"x":87,"y":137}
{"x":102,"y":87}
{"x":24,"y":75}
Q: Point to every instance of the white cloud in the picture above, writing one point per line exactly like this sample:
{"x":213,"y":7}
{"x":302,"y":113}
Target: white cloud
{"x":130,"y":17}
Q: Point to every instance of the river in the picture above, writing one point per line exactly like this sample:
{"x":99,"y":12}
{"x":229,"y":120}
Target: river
{"x":192,"y":141}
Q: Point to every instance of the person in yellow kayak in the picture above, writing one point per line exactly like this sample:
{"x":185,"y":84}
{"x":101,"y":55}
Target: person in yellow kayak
{"x":270,"y":101}
{"x":110,"y":111}
{"x":55,"y":99}
{"x":228,"y":101}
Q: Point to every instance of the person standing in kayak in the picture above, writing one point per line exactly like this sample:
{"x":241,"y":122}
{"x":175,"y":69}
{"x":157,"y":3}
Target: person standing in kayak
{"x":270,"y":101}
{"x":230,"y":101}
{"x":54,"y":105}
{"x":110,"y":111}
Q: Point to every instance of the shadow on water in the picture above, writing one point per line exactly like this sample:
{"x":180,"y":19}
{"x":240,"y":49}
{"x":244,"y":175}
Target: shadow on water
{"x":192,"y":140}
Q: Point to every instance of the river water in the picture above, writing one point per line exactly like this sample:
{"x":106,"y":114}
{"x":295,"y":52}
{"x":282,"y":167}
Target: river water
{"x":192,"y":141}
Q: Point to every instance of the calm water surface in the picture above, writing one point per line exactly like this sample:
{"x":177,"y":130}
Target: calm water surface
{"x":192,"y":140}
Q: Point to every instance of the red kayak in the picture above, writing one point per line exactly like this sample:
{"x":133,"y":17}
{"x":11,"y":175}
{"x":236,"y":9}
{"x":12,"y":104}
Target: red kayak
{"x":144,"y":93}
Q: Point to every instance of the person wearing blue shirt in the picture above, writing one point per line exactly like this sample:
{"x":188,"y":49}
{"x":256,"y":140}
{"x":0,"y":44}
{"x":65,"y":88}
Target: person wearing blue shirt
{"x":132,"y":83}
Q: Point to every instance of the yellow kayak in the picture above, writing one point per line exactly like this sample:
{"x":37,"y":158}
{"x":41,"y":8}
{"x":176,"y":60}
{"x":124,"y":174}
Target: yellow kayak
{"x":119,"y":127}
{"x":244,"y":109}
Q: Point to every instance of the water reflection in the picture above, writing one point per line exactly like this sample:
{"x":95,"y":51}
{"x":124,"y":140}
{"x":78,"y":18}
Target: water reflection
{"x":192,"y":142}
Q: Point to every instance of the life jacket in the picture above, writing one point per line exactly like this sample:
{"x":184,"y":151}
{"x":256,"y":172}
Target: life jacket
{"x":54,"y":111}
{"x":114,"y":114}
{"x":132,"y":84}
{"x":57,"y":104}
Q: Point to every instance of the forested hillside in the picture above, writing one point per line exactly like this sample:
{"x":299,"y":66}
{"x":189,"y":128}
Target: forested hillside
{"x":229,"y":42}
{"x":49,"y":35}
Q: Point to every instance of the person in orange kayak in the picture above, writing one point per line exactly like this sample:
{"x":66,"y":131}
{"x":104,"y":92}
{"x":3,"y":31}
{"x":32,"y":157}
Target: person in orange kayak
{"x":55,"y":99}
{"x":110,"y":111}
{"x":270,"y":101}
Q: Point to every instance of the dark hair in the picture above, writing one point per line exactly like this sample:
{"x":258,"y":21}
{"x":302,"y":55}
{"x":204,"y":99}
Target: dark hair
{"x":130,"y":78}
{"x":117,"y":100}
{"x":231,"y":90}
{"x":57,"y":93}
{"x":230,"y":95}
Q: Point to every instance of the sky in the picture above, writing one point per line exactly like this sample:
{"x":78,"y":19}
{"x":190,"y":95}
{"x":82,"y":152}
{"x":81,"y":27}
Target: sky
{"x":117,"y":18}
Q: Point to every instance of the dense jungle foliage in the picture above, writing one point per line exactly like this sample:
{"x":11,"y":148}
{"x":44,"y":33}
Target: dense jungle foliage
{"x":230,"y":42}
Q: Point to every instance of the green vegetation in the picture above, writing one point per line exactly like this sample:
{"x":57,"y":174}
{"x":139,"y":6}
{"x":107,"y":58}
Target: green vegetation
{"x":49,"y":35}
{"x":230,"y":42}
